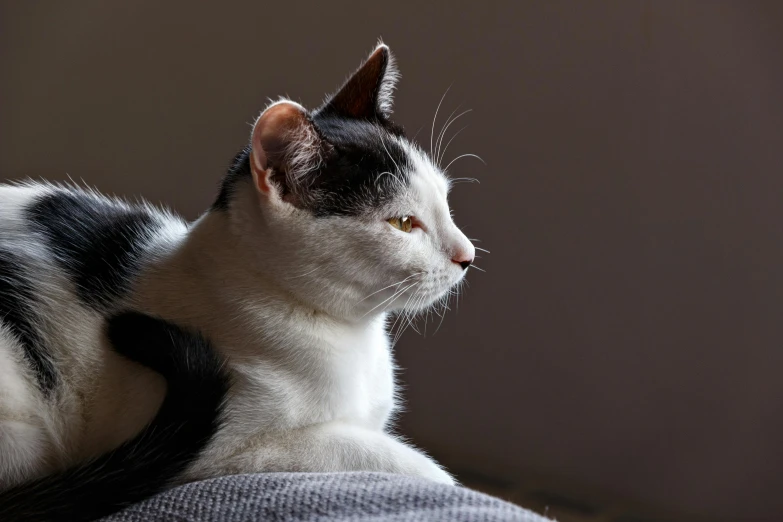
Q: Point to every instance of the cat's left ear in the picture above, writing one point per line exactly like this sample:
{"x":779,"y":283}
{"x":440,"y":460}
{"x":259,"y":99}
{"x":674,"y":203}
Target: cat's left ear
{"x":367,"y":94}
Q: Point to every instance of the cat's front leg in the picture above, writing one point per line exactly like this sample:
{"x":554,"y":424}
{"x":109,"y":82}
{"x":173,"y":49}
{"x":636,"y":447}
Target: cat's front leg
{"x":335,"y":447}
{"x":355,"y":448}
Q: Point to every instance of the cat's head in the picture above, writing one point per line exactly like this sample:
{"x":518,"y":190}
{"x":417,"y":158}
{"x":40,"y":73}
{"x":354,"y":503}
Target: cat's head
{"x":341,"y":209}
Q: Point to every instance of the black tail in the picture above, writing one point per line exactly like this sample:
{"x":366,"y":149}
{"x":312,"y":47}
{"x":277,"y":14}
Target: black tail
{"x":147,"y":464}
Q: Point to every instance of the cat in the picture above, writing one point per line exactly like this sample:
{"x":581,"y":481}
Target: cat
{"x":253,"y":339}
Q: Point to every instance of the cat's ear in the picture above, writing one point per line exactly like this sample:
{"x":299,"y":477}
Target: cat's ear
{"x":367,"y":94}
{"x":284,"y":147}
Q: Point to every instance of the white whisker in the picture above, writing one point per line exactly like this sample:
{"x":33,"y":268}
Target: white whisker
{"x":417,"y":133}
{"x":392,"y":296}
{"x":391,"y":285}
{"x":407,"y":317}
{"x":443,"y":132}
{"x":390,"y":156}
{"x":412,"y":322}
{"x":398,"y":295}
{"x":437,"y":141}
{"x":402,"y":316}
{"x":446,"y":148}
{"x":443,"y":315}
{"x":434,"y":119}
{"x":464,"y":156}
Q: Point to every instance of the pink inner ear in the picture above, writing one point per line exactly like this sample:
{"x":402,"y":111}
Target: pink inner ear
{"x":284,"y":144}
{"x":275,"y":133}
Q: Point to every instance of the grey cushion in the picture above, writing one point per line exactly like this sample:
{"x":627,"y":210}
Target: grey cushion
{"x":322,"y":497}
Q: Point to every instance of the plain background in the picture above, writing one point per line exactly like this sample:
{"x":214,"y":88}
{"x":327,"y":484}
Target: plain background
{"x":627,"y":332}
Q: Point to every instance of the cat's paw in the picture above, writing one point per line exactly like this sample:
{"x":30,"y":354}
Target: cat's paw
{"x":429,"y":469}
{"x":410,"y":461}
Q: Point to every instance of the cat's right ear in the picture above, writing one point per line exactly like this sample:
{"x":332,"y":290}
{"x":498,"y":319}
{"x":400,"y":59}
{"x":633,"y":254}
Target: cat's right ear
{"x":285,"y":148}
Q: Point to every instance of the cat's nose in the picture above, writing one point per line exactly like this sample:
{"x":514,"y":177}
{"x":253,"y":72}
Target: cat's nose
{"x":463,"y":260}
{"x":463,"y":251}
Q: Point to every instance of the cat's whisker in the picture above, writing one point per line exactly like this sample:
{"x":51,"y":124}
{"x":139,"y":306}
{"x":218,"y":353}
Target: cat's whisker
{"x":432,"y":310}
{"x":406,"y":317}
{"x":398,"y":295}
{"x":397,"y":320}
{"x":402,"y":327}
{"x":415,"y":283}
{"x":381,"y":175}
{"x":391,"y":328}
{"x":483,"y":250}
{"x":464,"y":156}
{"x":477,"y":268}
{"x":443,"y":133}
{"x":391,"y":285}
{"x":414,"y":314}
{"x":436,"y":152}
{"x":390,"y":156}
{"x":460,"y":286}
{"x":463,"y":180}
{"x":405,"y":306}
{"x":435,"y":118}
{"x":443,"y":314}
{"x":392,"y":296}
{"x":417,"y":133}
{"x":446,"y":148}
{"x":427,"y":313}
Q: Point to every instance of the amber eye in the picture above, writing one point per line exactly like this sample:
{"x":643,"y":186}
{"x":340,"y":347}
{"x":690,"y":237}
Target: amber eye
{"x":402,"y":223}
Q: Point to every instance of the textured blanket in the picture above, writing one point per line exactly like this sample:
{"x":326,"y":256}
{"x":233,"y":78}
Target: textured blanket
{"x":325,"y":497}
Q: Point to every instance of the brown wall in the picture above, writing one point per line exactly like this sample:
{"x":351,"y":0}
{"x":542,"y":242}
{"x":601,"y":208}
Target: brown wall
{"x":627,"y":333}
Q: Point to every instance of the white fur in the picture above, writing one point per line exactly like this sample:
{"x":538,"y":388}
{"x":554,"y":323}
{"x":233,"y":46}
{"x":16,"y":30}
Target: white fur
{"x":388,"y":83}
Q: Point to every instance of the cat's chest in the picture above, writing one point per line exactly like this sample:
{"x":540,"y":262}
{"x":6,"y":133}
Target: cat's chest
{"x":358,"y":376}
{"x":338,"y":375}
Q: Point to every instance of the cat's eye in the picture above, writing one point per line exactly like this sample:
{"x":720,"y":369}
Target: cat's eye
{"x":402,"y":223}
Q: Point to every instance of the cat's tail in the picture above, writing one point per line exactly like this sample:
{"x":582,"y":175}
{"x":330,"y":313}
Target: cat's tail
{"x":150,"y":462}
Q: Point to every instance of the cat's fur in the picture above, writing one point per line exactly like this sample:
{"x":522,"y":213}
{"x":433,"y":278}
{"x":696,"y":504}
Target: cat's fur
{"x":290,"y":276}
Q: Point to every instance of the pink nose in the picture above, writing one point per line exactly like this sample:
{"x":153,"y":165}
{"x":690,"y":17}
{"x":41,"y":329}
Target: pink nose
{"x":463,"y":259}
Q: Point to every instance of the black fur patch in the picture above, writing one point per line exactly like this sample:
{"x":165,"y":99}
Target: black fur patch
{"x":147,"y":464}
{"x":17,"y":312}
{"x":98,"y":244}
{"x":365,"y":169}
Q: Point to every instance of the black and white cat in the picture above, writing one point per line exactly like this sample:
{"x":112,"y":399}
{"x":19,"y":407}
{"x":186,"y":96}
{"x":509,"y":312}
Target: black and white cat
{"x":265,"y":320}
